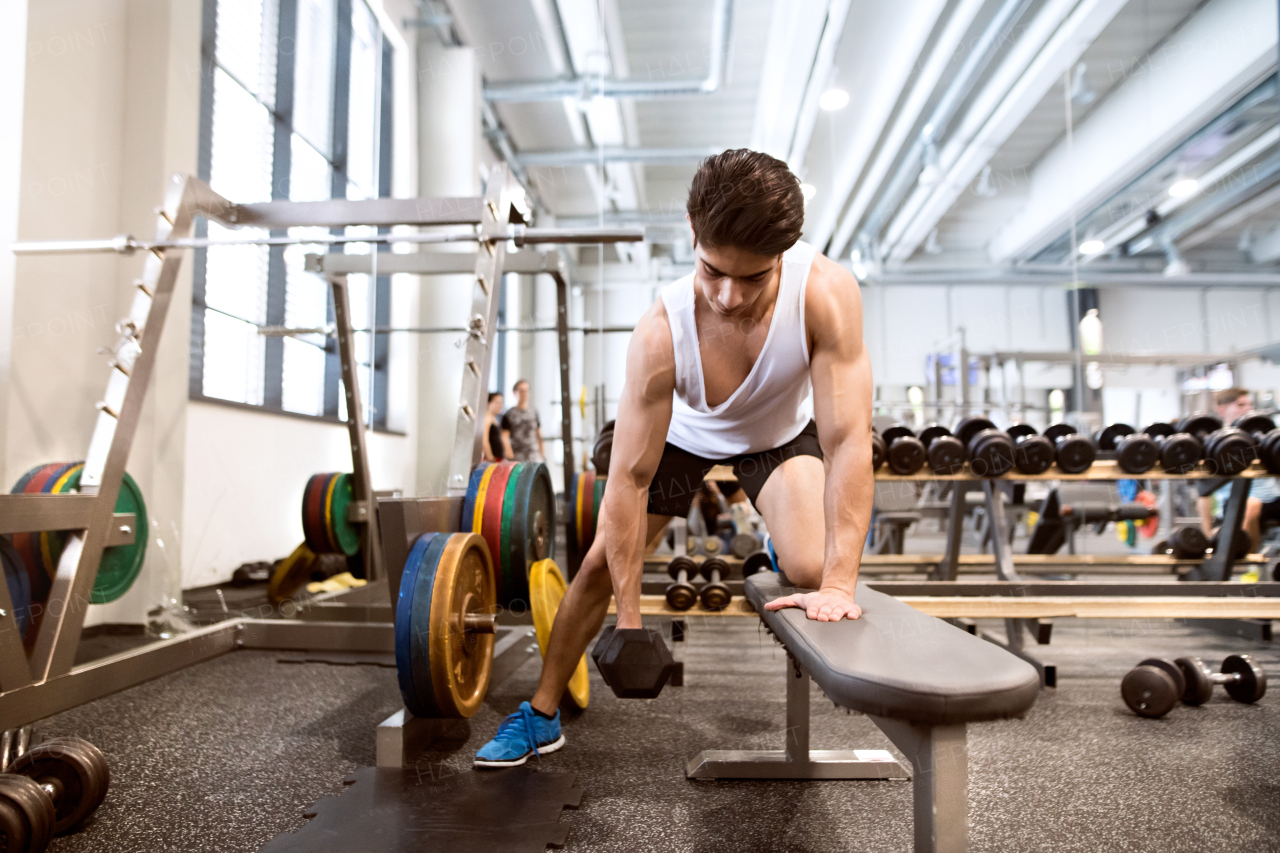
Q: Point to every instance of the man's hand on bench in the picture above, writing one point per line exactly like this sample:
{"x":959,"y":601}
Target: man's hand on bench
{"x":826,"y":605}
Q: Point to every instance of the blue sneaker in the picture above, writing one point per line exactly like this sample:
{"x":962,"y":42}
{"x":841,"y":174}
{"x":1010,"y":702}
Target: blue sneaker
{"x":521,"y":734}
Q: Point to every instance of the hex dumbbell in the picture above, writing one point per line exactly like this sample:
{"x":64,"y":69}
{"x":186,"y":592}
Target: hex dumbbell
{"x":1032,"y":452}
{"x":946,"y":454}
{"x":990,"y":450}
{"x":715,"y":595}
{"x":1266,"y":439}
{"x":1073,"y":452}
{"x":1135,"y":452}
{"x":1180,"y":452}
{"x":1243,"y":679}
{"x":904,"y":453}
{"x":680,"y":593}
{"x":634,"y":662}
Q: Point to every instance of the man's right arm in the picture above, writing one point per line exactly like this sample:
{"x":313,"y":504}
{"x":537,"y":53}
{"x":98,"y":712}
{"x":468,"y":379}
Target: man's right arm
{"x":644,"y":414}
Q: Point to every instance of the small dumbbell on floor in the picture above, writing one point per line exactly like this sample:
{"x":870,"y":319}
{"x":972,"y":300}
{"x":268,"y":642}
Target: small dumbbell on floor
{"x":48,"y":790}
{"x":1154,"y":686}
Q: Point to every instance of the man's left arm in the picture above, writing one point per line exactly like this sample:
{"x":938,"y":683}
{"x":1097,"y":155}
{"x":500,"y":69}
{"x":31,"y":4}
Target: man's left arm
{"x":841,"y":373}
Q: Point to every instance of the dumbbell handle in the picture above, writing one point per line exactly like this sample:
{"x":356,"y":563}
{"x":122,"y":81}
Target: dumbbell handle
{"x":1224,"y":677}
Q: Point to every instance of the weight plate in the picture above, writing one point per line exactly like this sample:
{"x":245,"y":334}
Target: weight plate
{"x":409,"y":621}
{"x":1108,"y":437}
{"x":1180,"y":453}
{"x":579,"y":486}
{"x":120,"y":565}
{"x":906,"y":454}
{"x":571,"y":527}
{"x":482,"y":494}
{"x":712,"y":545}
{"x":743,"y":544}
{"x":533,"y":527}
{"x":1269,"y":451}
{"x":512,"y":584}
{"x":313,"y":512}
{"x":1196,"y":676}
{"x":19,"y":583}
{"x":1033,"y":454}
{"x":1200,"y":424}
{"x":341,"y":530}
{"x":760,"y":561}
{"x":1017,"y":431}
{"x":1159,"y":430}
{"x":28,"y":544}
{"x":990,"y":453}
{"x":1075,"y":453}
{"x":49,"y":542}
{"x":1057,"y":431}
{"x":330,"y":486}
{"x":1149,"y":527}
{"x":1172,"y":669}
{"x":1136,"y":453}
{"x":946,"y":455}
{"x":1188,"y":543}
{"x":1149,"y":692}
{"x":1255,"y":423}
{"x":473,"y":488}
{"x":27,"y":814}
{"x":293,"y":571}
{"x":546,"y":590}
{"x":491,"y":524}
{"x":1229,"y":452}
{"x":932,"y":431}
{"x":971,"y":426}
{"x":1252,"y":683}
{"x":599,"y":502}
{"x":877,"y":452}
{"x":78,"y":777}
{"x":444,"y":665}
{"x":896,"y":431}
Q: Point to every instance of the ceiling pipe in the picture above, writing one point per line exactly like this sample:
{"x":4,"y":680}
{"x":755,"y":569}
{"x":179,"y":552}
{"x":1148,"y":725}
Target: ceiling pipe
{"x":614,"y":154}
{"x":584,"y":87}
{"x":1062,"y":278}
{"x":832,"y":30}
{"x":873,"y":179}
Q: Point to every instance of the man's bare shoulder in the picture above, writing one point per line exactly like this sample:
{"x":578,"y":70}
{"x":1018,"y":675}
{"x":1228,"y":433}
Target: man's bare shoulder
{"x":651,"y":339}
{"x":832,"y":300}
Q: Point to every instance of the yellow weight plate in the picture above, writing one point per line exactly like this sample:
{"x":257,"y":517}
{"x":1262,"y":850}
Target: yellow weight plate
{"x":291,"y":574}
{"x":546,"y":589}
{"x":478,"y":519}
{"x":460,"y":659}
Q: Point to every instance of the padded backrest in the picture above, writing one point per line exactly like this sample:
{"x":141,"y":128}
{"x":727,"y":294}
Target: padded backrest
{"x":900,"y":663}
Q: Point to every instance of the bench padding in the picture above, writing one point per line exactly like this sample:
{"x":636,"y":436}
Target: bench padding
{"x":899,"y":663}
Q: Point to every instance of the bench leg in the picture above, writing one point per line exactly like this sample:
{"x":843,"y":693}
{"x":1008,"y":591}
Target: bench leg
{"x":797,"y":761}
{"x":940,"y":758}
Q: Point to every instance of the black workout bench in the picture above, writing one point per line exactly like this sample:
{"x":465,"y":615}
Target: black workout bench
{"x":918,"y":678}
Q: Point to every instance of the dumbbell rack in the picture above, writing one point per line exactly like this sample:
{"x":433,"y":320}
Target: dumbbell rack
{"x":48,"y":682}
{"x":1217,"y":567}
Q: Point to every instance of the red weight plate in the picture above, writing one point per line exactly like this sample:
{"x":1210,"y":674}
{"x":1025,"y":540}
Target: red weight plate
{"x":491,"y":523}
{"x":314,"y":513}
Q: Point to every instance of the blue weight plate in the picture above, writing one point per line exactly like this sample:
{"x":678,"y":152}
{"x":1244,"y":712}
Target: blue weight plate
{"x":469,"y":503}
{"x":405,"y":609}
{"x":15,"y":573}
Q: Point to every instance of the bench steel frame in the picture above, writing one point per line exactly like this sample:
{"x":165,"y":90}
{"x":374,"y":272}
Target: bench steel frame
{"x":938,"y":754}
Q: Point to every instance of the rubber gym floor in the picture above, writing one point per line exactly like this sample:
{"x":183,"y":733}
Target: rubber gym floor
{"x":225,"y":755}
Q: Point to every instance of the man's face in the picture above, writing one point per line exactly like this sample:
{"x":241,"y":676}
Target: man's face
{"x":522,"y":393}
{"x":495,"y":405}
{"x":1242,"y":406}
{"x":733,"y":279}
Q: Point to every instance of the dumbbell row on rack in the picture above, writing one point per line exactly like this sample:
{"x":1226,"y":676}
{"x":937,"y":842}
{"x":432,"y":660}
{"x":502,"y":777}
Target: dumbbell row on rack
{"x":681,"y":594}
{"x":990,"y":452}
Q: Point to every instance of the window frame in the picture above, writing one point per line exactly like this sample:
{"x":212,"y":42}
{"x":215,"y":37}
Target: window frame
{"x":282,"y":115}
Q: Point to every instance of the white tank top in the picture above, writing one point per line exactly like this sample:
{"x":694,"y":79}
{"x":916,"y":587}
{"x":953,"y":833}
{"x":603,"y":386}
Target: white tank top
{"x":772,"y":405}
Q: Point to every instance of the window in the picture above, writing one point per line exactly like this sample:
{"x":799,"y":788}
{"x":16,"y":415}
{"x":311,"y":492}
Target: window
{"x":295,"y":105}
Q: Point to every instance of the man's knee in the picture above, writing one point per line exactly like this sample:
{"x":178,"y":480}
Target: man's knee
{"x":801,"y":571}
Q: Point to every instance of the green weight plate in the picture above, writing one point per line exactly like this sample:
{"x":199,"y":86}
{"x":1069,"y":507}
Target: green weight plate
{"x":505,"y":560}
{"x":534,"y":525}
{"x":599,"y":501}
{"x":120,"y":565}
{"x":341,"y":529}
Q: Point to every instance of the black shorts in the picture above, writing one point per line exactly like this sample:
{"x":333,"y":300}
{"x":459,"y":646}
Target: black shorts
{"x":680,"y":473}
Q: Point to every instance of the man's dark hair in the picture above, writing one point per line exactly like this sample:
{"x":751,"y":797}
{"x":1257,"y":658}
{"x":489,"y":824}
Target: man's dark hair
{"x":743,"y":199}
{"x":1227,"y":396}
{"x":493,"y":394}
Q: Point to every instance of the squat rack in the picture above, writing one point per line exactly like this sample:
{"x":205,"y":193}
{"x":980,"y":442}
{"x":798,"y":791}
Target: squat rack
{"x":48,"y":681}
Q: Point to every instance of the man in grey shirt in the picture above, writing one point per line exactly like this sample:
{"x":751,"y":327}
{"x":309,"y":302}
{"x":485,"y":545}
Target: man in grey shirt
{"x":521,"y":427}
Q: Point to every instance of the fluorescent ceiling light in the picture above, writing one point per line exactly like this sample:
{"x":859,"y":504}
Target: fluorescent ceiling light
{"x":808,"y":191}
{"x":1092,"y":247}
{"x":834,"y":99}
{"x":1184,"y":188}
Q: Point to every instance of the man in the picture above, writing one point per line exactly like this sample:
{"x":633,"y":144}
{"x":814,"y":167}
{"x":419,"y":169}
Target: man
{"x":721,"y":370}
{"x":1264,"y":496}
{"x":521,"y":429}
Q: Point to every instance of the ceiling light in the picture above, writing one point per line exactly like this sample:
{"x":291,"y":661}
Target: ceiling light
{"x":834,"y":99}
{"x":808,"y":191}
{"x":1184,"y":188}
{"x":1092,"y":247}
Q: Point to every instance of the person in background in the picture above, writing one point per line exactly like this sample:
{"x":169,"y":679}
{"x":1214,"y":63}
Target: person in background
{"x":1264,"y":495}
{"x":494,"y":444}
{"x":521,"y":429}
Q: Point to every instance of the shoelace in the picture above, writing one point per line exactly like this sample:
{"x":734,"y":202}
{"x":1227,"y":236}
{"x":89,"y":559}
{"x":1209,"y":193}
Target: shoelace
{"x":516,"y":719}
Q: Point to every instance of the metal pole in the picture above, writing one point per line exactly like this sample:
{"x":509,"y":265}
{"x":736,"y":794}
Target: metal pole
{"x":566,"y":403}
